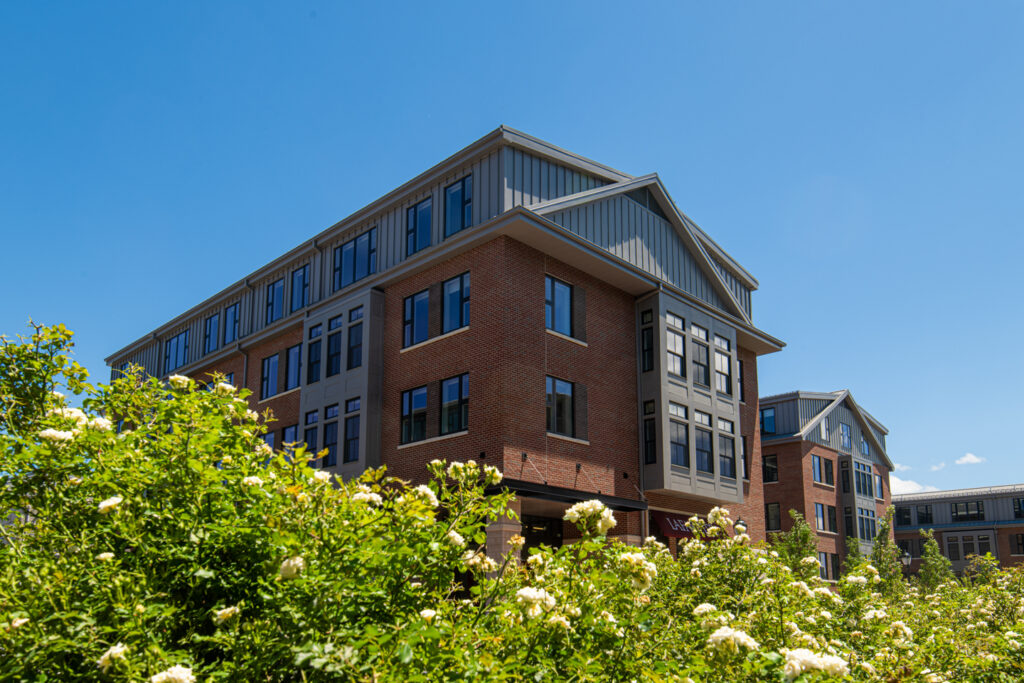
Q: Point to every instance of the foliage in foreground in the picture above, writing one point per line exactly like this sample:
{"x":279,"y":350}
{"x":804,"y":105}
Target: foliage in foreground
{"x":182,"y":549}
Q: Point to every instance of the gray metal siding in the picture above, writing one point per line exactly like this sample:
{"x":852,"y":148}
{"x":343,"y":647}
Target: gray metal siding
{"x":636,"y":235}
{"x":531,"y":179}
{"x":739,"y":290}
{"x":787,"y":417}
{"x":810,"y":408}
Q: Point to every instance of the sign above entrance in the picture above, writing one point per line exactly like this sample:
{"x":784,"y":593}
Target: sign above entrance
{"x":673,"y":526}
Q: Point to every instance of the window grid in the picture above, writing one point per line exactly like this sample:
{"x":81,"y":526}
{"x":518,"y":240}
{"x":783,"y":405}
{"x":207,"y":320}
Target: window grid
{"x":293,"y":367}
{"x":455,"y":404}
{"x":560,"y":407}
{"x":211,"y":335}
{"x":176,"y":351}
{"x":231,"y":323}
{"x":355,"y":259}
{"x":455,"y":303}
{"x":414,"y":415}
{"x":417,"y":226}
{"x":458,"y":199}
{"x":416,"y":318}
{"x":275,"y":301}
{"x":679,"y":443}
{"x":268,"y":377}
{"x":300,"y":288}
{"x":558,"y":306}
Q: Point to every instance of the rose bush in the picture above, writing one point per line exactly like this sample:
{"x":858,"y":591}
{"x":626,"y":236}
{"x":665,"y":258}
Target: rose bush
{"x":181,"y":549}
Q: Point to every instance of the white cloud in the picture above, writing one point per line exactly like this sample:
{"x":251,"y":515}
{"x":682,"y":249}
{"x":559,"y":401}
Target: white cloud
{"x":907,"y":486}
{"x":900,"y":468}
{"x":936,"y":468}
{"x":969,"y":459}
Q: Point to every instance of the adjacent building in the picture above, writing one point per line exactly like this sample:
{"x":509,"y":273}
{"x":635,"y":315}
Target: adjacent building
{"x":965,"y":522}
{"x":517,"y":304}
{"x":824,"y":456}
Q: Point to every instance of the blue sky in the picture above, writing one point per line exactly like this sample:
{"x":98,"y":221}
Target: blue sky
{"x":862,"y":160}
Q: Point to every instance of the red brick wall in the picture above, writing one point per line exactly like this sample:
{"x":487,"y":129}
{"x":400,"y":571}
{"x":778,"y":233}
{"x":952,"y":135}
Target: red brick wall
{"x":751,"y":510}
{"x":285,"y":405}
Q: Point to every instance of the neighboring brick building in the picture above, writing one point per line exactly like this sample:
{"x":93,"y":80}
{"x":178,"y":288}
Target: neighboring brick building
{"x":516,"y":304}
{"x":824,"y":456}
{"x":965,"y":522}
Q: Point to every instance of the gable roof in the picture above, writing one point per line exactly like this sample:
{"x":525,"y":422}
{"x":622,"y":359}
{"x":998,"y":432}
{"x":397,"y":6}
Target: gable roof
{"x":675,"y":218}
{"x":866,"y":421}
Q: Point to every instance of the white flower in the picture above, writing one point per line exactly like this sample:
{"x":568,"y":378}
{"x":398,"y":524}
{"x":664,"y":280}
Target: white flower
{"x":856,"y":580}
{"x":222,"y":615}
{"x":703,"y":608}
{"x":112,"y":653}
{"x":74,"y":480}
{"x":426,"y":494}
{"x":73,"y":414}
{"x":456,"y":539}
{"x":19,"y":622}
{"x":110,"y":504}
{"x":559,"y":620}
{"x":740,"y":528}
{"x":367,"y":497}
{"x":224,"y":389}
{"x":105,"y":557}
{"x":252,"y":480}
{"x":292,"y":567}
{"x":492,"y":475}
{"x":810,"y":561}
{"x":101,"y":423}
{"x":719,"y":517}
{"x":56,"y":435}
{"x":730,"y":640}
{"x":591,"y":511}
{"x":428,"y":615}
{"x":176,"y":674}
{"x":322,"y":477}
{"x":535,"y":600}
{"x":608,"y":616}
{"x":179,"y":381}
{"x":875,"y":614}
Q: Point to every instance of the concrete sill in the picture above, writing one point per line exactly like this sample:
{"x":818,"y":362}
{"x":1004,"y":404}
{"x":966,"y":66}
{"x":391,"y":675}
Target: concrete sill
{"x":434,"y":339}
{"x":276,"y":396}
{"x":433,"y":439}
{"x":566,"y":337}
{"x":570,"y":439}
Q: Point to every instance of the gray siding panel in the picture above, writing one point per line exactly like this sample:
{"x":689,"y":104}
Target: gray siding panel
{"x":533,"y":179}
{"x":738,"y":289}
{"x":787,"y":417}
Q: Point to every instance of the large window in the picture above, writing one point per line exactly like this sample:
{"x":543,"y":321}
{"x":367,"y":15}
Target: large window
{"x":310,"y":434}
{"x":770,"y":468}
{"x":355,"y":259}
{"x":414,"y":415}
{"x":679,"y":443}
{"x":293,"y":367}
{"x":903,"y":516}
{"x":823,"y":565}
{"x":866,"y":523}
{"x":820,"y":520}
{"x":455,"y":303}
{"x":862,"y":480}
{"x":176,"y":351}
{"x":351,"y":451}
{"x":275,"y":301}
{"x":313,"y":362}
{"x":650,"y":442}
{"x":772,"y":517}
{"x":864,"y":447}
{"x":455,"y":404}
{"x":831,"y":521}
{"x":458,"y":206}
{"x":739,"y":380}
{"x":847,"y":439}
{"x":701,"y":368}
{"x":822,"y":470}
{"x":1018,"y":508}
{"x":879,"y":491}
{"x":268,"y":377}
{"x":767,"y":420}
{"x":972,"y":511}
{"x":355,"y":345}
{"x":416,"y":320}
{"x":331,"y":436}
{"x":300,"y":288}
{"x":723,"y":365}
{"x":702,"y":448}
{"x":727,"y":456}
{"x":211,"y":335}
{"x":334,"y":348}
{"x":560,"y":408}
{"x":231,"y":323}
{"x":557,"y":306}
{"x":1018,"y":544}
{"x":417,"y":227}
{"x":647,"y":349}
{"x":953,"y":548}
{"x":924,"y":514}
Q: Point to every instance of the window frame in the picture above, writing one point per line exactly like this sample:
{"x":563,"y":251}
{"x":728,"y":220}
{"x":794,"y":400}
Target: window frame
{"x":333,"y":356}
{"x":412,"y":416}
{"x":727,"y":443}
{"x":230,"y":323}
{"x":677,"y":427}
{"x":274,"y":302}
{"x":461,"y":405}
{"x":553,"y":305}
{"x":354,"y":348}
{"x":414,"y":230}
{"x":178,"y":346}
{"x":462,"y":307}
{"x":313,"y":364}
{"x":763,"y":423}
{"x":303,"y":288}
{"x":289,"y":370}
{"x":465,"y":201}
{"x":555,"y":407}
{"x":770,"y":468}
{"x":650,"y":441}
{"x":411,"y":318}
{"x":768,"y":510}
{"x":350,"y":449}
{"x":341,"y":279}
{"x":215,"y":337}
{"x":268,"y":384}
{"x":704,"y":458}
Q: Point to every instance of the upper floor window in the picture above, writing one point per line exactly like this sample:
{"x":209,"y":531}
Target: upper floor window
{"x":334,"y":353}
{"x":350,"y":453}
{"x":703,"y":449}
{"x":847,"y":439}
{"x":823,"y":430}
{"x":866,"y":524}
{"x":458,"y":204}
{"x":903,"y":516}
{"x":211,"y":334}
{"x":739,"y":380}
{"x":924,"y":514}
{"x":767,"y":420}
{"x":557,"y":306}
{"x":455,"y":404}
{"x":417,"y":314}
{"x":679,"y":442}
{"x":973,"y":511}
{"x":275,"y":301}
{"x":727,"y":456}
{"x":300,"y":287}
{"x":675,"y":353}
{"x":455,"y":303}
{"x":560,"y":408}
{"x":355,"y":259}
{"x":821,"y":468}
{"x":650,"y":441}
{"x":770,"y":468}
{"x":417,"y":226}
{"x":723,"y":373}
{"x":701,"y":367}
{"x":355,"y":345}
{"x":268,"y":377}
{"x":176,"y":351}
{"x":646,"y":349}
{"x":313,"y":362}
{"x":864,"y":447}
{"x":772,"y":517}
{"x":1018,"y":508}
{"x":292,"y":367}
{"x":414,"y":415}
{"x":862,"y":480}
{"x":879,"y":491}
{"x":231,"y":323}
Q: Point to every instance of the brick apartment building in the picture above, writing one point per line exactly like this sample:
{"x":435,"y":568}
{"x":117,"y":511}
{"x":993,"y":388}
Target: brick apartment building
{"x":965,"y":522}
{"x":824,"y":456}
{"x":516,"y":304}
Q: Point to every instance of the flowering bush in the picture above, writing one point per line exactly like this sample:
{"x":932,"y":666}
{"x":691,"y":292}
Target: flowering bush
{"x":181,"y":550}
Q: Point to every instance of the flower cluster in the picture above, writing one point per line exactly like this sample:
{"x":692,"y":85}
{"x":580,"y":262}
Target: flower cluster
{"x":591,"y":515}
{"x":534,"y":601}
{"x":729,"y":640}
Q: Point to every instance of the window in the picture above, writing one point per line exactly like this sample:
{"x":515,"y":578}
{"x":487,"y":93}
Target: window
{"x":458,"y":204}
{"x":770,"y":468}
{"x":819,"y":516}
{"x":355,"y":346}
{"x":727,"y":456}
{"x":848,"y":521}
{"x":1018,"y":544}
{"x":823,"y":430}
{"x":677,"y":410}
{"x":352,"y":405}
{"x":835,"y":566}
{"x":953,"y":548}
{"x":1018,"y":508}
{"x":335,"y":322}
{"x":830,"y":519}
{"x":650,"y":442}
{"x":862,"y":480}
{"x":557,"y":306}
{"x":767,"y":420}
{"x":649,"y":407}
{"x":313,"y":362}
{"x":973,"y":511}
{"x":702,"y":446}
{"x":739,"y":380}
{"x":176,"y":351}
{"x":268,"y":439}
{"x":355,"y":259}
{"x":417,"y":227}
{"x":355,"y":314}
{"x":698,"y":332}
{"x":743,"y":458}
{"x":823,"y":565}
{"x":231,"y":323}
{"x":315,"y":331}
{"x":847,"y":439}
{"x":331,"y":444}
{"x":211,"y":336}
{"x":268,"y":377}
{"x":822,"y":470}
{"x":647,"y":349}
{"x":968,"y":542}
{"x":334,"y":353}
{"x":275,"y":301}
{"x":560,"y":412}
{"x":417,"y":311}
{"x":679,"y":443}
{"x":701,"y":370}
{"x":864,"y":447}
{"x":675,"y":353}
{"x":289,"y":435}
{"x":846,"y":477}
{"x":772,"y":517}
{"x":350,"y":453}
{"x":293,"y":367}
{"x":455,"y":404}
{"x":702,"y":418}
{"x":866,"y":523}
{"x":300,"y":287}
{"x":725,"y":426}
{"x":903,"y":516}
{"x":984,"y":545}
{"x":879,"y":491}
{"x":311,"y":430}
{"x":723,"y":366}
{"x":455,"y":303}
{"x":414,"y":415}
{"x":924,"y":514}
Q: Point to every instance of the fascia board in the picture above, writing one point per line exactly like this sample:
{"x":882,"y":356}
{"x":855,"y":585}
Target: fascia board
{"x":867,"y":428}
